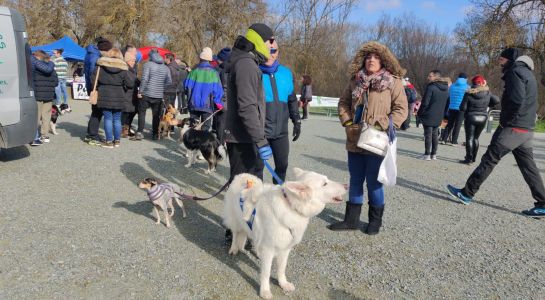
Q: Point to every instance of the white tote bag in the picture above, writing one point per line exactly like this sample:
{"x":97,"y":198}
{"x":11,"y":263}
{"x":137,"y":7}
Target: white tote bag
{"x":388,"y":168}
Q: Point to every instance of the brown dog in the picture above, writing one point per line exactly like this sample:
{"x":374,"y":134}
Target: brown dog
{"x":161,"y":195}
{"x":168,"y":120}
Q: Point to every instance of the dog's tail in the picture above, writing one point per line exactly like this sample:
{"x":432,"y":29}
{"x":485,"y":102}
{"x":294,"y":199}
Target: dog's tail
{"x":220,"y":152}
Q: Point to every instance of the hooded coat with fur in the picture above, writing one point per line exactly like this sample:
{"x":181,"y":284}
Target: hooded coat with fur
{"x":381,"y":104}
{"x":113,"y":81}
{"x":477,"y":100}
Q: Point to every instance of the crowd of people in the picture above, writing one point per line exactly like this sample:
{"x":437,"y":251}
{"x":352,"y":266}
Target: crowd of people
{"x":247,"y":97}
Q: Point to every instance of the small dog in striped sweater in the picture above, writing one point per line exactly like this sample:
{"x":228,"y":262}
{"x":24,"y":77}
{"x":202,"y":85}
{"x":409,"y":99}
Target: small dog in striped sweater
{"x":161,"y":195}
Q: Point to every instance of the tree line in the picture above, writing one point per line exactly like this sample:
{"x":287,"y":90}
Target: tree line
{"x":314,"y":36}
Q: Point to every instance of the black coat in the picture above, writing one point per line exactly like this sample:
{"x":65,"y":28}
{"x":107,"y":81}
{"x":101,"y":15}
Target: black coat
{"x":519,"y":99}
{"x":477,"y":100}
{"x":131,"y":94}
{"x":45,"y":80}
{"x":246,"y":114}
{"x":113,"y":82}
{"x":434,"y":103}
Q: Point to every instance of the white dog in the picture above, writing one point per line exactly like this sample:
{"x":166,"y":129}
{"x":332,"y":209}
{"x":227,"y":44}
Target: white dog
{"x":281,"y":218}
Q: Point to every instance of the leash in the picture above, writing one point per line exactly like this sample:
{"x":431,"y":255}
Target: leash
{"x":273,"y":173}
{"x":195,"y":198}
{"x":198,"y":127}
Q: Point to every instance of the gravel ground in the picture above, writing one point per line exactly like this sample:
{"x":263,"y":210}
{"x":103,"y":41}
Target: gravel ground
{"x":74,"y":225}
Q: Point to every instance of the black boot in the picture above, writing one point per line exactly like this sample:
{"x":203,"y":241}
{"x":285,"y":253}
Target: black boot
{"x":375,"y":219}
{"x":351,"y":218}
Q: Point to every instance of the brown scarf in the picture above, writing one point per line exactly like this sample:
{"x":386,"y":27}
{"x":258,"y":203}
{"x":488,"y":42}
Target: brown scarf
{"x":378,"y":81}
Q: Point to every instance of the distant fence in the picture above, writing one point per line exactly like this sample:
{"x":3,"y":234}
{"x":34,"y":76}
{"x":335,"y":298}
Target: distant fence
{"x":321,"y":101}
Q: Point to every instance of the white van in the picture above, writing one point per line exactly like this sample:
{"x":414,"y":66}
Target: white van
{"x":18,"y":108}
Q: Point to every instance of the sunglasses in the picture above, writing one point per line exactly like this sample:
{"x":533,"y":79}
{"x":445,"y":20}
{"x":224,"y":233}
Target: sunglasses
{"x":273,"y":50}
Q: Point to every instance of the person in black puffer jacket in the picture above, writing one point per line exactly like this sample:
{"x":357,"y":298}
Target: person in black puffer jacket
{"x":432,"y":111}
{"x":113,"y":81}
{"x":45,"y":80}
{"x":475,"y":106}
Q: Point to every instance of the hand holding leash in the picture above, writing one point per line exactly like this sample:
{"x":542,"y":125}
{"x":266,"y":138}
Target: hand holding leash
{"x":265,"y":152}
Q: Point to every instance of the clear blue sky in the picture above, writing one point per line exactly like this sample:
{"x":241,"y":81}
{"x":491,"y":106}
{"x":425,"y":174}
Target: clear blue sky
{"x":445,"y":13}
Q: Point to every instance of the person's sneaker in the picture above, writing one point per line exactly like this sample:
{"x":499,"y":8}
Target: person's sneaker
{"x":466,"y":162}
{"x":455,"y":145}
{"x":36,"y":142}
{"x":44,"y":139}
{"x":434,"y":157}
{"x":425,"y":157}
{"x":442,"y":142}
{"x":109,"y":145}
{"x":137,"y":137}
{"x":536,"y":212}
{"x":117,"y":143}
{"x":459,"y":195}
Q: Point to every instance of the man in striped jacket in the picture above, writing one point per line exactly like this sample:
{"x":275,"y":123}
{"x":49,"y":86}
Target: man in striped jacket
{"x":61,"y":68}
{"x":204,"y":90}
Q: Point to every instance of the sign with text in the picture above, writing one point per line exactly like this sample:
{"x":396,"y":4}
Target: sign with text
{"x":79,"y":92}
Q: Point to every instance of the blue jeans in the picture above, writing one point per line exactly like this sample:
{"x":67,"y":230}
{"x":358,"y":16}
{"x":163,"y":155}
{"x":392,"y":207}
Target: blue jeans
{"x":60,"y":90}
{"x":364,"y":167}
{"x":112,"y":122}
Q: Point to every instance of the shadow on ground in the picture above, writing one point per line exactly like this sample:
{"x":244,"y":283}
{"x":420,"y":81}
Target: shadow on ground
{"x":15,"y":153}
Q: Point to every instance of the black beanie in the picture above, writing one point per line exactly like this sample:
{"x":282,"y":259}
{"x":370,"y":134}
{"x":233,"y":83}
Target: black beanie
{"x":263,"y":30}
{"x":511,"y":53}
{"x":103,"y":44}
{"x":462,"y":75}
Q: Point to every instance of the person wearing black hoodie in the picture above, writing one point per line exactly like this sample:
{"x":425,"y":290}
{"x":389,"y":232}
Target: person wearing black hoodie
{"x":247,"y":146}
{"x":474,"y":107}
{"x":431,"y":112}
{"x":514,"y":134}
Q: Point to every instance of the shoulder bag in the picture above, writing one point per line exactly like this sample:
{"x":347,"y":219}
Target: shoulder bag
{"x":371,"y":139}
{"x":93,"y":97}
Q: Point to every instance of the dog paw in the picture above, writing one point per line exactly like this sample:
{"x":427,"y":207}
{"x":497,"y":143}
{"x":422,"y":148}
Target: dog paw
{"x":158,"y":222}
{"x":265,"y":294}
{"x":207,"y":172}
{"x":187,"y":166}
{"x":287,"y":287}
{"x":168,"y":225}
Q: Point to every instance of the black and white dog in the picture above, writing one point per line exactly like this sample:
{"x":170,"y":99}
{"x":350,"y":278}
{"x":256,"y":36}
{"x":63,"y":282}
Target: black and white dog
{"x":196,"y":140}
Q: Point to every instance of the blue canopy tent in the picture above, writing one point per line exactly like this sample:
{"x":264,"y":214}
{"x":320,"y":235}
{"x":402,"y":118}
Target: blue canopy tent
{"x":72,"y":51}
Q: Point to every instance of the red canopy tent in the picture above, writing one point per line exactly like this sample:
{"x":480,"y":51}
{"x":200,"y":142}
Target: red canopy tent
{"x":145,"y":51}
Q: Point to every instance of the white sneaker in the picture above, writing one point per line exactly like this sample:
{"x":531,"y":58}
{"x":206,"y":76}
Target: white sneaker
{"x":44,"y":139}
{"x":434,"y":157}
{"x":425,"y":157}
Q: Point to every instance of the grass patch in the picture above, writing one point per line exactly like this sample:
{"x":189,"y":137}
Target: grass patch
{"x":540,"y":126}
{"x":322,"y":111}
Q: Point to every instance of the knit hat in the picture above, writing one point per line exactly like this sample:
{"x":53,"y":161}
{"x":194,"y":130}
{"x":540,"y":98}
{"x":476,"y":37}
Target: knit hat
{"x":257,"y":35}
{"x":263,"y":30}
{"x":462,"y":75}
{"x":478,"y":80}
{"x":224,"y":54}
{"x":104,"y":44}
{"x":206,"y":54}
{"x":511,"y":53}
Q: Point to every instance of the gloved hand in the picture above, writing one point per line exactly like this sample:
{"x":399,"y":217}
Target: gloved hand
{"x":296,"y":130}
{"x":265,"y":152}
{"x":348,"y":123}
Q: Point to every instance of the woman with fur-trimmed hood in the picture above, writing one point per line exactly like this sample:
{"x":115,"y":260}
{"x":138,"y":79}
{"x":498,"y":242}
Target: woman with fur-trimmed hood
{"x":376,"y":73}
{"x":113,"y":81}
{"x":475,"y":106}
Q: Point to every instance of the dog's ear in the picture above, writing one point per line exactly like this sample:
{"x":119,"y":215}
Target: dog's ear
{"x":151,"y":181}
{"x":298,"y":172}
{"x":300,"y":190}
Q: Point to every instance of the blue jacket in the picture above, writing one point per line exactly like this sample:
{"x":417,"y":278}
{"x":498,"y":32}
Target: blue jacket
{"x":89,"y":66}
{"x":280,"y":101}
{"x":456,"y":93}
{"x":203,"y":88}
